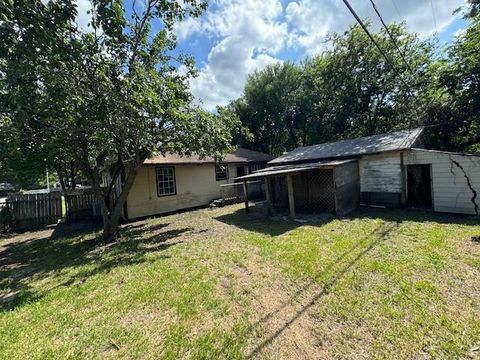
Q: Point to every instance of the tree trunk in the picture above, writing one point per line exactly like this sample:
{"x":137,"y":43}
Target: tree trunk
{"x":73,"y":173}
{"x":111,"y":218}
{"x":110,"y":229}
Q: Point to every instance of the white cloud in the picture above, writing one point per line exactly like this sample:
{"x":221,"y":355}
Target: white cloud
{"x":185,"y":28}
{"x":459,"y":33}
{"x":249,"y":34}
{"x":311,"y":20}
{"x":223,"y":78}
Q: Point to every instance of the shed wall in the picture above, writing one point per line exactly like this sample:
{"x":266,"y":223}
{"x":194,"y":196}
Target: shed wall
{"x":381,"y":179}
{"x":347,"y":187}
{"x":449,"y":185}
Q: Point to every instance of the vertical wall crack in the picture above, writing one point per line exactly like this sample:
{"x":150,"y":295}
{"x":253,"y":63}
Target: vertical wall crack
{"x":469,"y":184}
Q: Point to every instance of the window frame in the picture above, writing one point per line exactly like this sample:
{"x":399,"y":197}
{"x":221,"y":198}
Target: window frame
{"x":255,"y":166}
{"x":217,"y":166}
{"x":157,"y":168}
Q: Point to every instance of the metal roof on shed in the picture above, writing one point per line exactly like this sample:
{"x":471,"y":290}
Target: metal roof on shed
{"x":288,"y":169}
{"x":400,"y":140}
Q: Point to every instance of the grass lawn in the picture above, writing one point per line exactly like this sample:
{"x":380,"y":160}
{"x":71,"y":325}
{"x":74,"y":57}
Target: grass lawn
{"x":219,"y":283}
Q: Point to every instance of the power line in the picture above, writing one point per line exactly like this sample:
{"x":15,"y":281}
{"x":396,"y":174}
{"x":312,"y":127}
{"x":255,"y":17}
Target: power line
{"x":434,"y":17}
{"x":398,"y":11}
{"x":393,"y":39}
{"x":360,"y":22}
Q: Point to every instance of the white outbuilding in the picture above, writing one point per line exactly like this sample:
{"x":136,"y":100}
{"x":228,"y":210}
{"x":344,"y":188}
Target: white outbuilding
{"x":391,"y":170}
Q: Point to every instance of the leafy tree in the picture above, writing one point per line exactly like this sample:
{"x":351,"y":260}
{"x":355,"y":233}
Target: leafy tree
{"x":453,"y":96}
{"x":470,"y":10}
{"x":361,"y":93}
{"x":348,"y":91}
{"x":107,"y":98}
{"x":268,"y":107}
{"x":18,"y":167}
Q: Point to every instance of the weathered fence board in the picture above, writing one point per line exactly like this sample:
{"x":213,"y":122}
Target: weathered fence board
{"x":33,"y":210}
{"x":80,"y":206}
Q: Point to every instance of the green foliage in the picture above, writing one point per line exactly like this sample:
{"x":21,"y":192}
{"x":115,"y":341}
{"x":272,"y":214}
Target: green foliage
{"x":350,"y":90}
{"x":6,"y":219}
{"x":453,"y":97}
{"x":471,"y":10}
{"x":363,"y":95}
{"x":19,"y":165}
{"x":104,"y":99}
{"x":268,"y":108}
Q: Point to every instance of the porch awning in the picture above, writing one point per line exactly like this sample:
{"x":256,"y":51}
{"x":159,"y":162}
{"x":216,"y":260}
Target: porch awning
{"x":290,"y":169}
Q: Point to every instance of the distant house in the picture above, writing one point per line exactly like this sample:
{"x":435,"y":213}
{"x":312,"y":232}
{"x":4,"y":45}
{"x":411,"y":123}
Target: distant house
{"x":389,"y":170}
{"x":6,"y":188}
{"x":172,"y":182}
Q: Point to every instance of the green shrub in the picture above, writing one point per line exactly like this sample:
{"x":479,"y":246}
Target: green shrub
{"x":6,"y":219}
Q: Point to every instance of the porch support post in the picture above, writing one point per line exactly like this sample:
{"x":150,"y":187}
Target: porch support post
{"x":403,"y":175}
{"x":245,"y":192}
{"x":268,"y":195}
{"x":291,"y":201}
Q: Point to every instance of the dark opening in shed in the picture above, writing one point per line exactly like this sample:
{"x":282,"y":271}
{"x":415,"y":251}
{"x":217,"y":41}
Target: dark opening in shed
{"x":329,"y":186}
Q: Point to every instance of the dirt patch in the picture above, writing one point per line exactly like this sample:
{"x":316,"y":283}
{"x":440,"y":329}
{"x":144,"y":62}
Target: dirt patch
{"x":280,"y":315}
{"x":25,"y":237}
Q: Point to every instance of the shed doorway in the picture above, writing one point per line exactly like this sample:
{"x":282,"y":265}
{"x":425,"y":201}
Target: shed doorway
{"x":240,"y":171}
{"x":419,"y":186}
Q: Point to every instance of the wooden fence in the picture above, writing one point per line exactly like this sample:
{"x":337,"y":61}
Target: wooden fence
{"x":80,"y":206}
{"x":35,"y":210}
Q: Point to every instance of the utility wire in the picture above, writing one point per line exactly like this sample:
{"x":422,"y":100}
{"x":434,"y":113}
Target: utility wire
{"x":434,"y":17}
{"x":398,"y":11}
{"x":360,"y":22}
{"x":393,"y":39}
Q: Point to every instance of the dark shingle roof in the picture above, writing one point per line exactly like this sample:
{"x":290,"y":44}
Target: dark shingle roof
{"x":238,"y":156}
{"x":400,"y":140}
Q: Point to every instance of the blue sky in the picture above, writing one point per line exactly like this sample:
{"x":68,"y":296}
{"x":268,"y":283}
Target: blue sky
{"x":236,"y":37}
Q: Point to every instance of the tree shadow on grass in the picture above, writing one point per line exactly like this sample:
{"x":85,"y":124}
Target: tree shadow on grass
{"x":258,"y":221}
{"x":52,"y":255}
{"x":413,"y":215}
{"x":339,"y":267}
{"x":337,"y":270}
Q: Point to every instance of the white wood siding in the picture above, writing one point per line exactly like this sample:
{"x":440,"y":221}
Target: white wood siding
{"x":450,"y":190}
{"x":381,"y":173}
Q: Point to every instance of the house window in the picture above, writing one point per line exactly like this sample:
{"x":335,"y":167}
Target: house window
{"x":221,"y":172}
{"x":166,"y":181}
{"x":255,"y":167}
